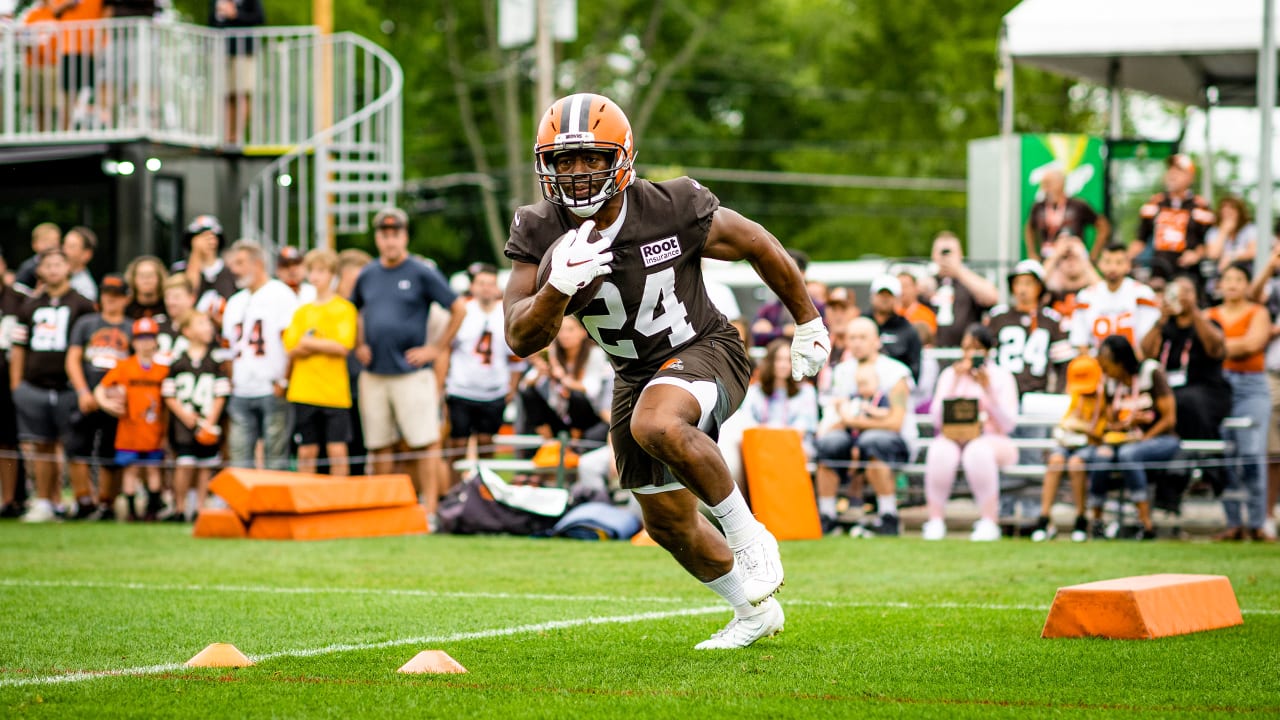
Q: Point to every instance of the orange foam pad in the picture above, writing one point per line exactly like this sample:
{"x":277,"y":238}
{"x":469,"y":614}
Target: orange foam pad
{"x":403,"y":520}
{"x":1143,"y":607}
{"x":218,"y":523}
{"x":253,"y":492}
{"x":778,"y":483}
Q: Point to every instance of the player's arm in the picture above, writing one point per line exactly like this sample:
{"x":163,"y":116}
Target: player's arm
{"x":734,"y":237}
{"x":532,"y":314}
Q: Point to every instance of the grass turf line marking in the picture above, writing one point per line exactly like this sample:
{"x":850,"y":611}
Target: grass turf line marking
{"x":82,"y":676}
{"x":408,"y":592}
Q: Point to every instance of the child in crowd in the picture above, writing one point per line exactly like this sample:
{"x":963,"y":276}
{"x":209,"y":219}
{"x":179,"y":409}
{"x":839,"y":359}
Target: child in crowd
{"x":1080,"y":429}
{"x":131,"y":392}
{"x":318,"y":339}
{"x":870,"y":402}
{"x":195,"y":393}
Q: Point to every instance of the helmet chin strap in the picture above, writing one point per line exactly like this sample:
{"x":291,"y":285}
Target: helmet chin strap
{"x":586,"y":211}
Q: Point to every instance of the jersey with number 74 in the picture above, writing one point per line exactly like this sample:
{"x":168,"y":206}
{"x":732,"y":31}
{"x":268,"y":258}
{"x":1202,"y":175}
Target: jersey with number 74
{"x":653,"y":302}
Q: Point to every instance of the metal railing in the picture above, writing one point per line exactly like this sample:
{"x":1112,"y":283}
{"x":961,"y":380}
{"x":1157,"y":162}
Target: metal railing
{"x":334,"y":181}
{"x":134,"y":78}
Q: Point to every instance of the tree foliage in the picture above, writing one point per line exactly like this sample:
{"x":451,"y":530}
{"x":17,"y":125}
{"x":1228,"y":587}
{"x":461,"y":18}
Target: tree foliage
{"x":815,"y":86}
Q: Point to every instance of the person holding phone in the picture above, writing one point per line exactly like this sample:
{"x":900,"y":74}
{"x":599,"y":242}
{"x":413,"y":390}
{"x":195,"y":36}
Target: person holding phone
{"x":982,"y":457}
{"x":962,"y":295}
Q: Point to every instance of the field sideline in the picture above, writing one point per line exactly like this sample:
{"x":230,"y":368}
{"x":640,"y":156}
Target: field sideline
{"x":98,"y":620}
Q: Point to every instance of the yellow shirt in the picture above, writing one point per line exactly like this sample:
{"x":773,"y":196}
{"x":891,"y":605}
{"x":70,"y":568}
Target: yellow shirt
{"x":321,"y":379}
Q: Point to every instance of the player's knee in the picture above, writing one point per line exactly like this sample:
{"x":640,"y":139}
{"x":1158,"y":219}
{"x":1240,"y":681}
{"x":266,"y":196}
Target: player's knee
{"x":1075,"y":463}
{"x":658,"y":435}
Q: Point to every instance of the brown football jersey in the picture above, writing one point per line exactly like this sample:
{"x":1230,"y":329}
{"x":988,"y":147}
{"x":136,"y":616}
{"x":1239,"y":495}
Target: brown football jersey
{"x":653,"y":302}
{"x":44,"y":329}
{"x":1034,"y":349}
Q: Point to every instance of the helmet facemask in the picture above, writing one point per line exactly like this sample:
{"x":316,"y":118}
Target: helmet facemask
{"x":558,"y":187}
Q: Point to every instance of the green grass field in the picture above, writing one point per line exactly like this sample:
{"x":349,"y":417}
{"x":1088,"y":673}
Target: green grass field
{"x":562,"y":628}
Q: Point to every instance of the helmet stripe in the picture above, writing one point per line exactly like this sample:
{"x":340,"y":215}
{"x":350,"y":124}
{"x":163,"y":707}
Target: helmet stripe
{"x":575,"y":115}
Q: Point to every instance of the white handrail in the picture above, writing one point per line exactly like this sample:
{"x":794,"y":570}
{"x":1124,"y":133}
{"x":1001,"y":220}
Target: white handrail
{"x":268,"y":216}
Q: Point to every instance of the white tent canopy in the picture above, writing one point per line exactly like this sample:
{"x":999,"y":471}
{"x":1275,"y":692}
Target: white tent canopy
{"x":1170,"y":48}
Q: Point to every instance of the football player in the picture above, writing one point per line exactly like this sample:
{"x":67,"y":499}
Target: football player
{"x":681,"y":367}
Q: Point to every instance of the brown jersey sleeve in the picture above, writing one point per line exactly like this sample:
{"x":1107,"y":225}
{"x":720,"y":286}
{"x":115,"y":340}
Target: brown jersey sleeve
{"x":533,"y":229}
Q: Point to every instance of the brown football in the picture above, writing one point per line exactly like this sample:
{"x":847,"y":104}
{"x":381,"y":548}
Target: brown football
{"x":584,"y":296}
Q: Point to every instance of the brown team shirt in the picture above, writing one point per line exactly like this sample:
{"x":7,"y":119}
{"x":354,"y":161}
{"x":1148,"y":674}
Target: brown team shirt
{"x":654,"y":301}
{"x":44,"y":329}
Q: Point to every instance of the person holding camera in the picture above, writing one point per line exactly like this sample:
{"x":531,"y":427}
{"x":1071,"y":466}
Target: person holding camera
{"x":1189,"y":345}
{"x":962,"y":295}
{"x":974,"y":408}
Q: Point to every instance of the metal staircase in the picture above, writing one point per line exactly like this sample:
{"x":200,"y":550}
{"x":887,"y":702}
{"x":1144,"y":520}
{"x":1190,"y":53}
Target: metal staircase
{"x":329,"y":107}
{"x":334,"y":181}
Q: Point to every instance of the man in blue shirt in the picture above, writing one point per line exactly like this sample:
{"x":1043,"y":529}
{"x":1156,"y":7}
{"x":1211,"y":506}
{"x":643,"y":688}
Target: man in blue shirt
{"x":399,"y":391}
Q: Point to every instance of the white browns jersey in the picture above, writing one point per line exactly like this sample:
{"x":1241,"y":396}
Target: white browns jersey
{"x":480,"y":363}
{"x":1132,"y":310}
{"x":252,"y":324}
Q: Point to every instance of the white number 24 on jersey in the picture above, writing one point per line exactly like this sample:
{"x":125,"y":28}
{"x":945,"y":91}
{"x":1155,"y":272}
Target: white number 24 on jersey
{"x":659,"y":289}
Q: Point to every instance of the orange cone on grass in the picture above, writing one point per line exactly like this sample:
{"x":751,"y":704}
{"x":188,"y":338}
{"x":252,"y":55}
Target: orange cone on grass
{"x":435,"y":662}
{"x":220,"y":655}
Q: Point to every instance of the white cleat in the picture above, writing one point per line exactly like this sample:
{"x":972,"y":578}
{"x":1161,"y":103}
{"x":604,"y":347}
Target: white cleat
{"x":935,"y":529}
{"x":760,"y":564}
{"x":985,"y":531}
{"x":765,"y":620}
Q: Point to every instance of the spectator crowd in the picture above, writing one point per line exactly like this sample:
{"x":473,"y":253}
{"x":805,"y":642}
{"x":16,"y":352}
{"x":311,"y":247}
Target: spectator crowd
{"x":143,"y":383}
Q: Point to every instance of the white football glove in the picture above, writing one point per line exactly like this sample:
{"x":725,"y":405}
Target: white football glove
{"x":576,"y":261}
{"x":809,"y":349}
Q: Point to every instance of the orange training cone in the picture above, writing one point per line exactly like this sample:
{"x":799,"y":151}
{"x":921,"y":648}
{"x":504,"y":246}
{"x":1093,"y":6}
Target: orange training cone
{"x":642,"y":538}
{"x":436,"y":662}
{"x":220,"y":655}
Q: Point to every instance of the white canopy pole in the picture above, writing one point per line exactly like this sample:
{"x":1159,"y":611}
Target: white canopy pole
{"x":1266,"y":106}
{"x":1006,"y":210}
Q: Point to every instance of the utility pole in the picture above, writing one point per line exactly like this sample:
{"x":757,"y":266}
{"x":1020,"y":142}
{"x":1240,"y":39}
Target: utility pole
{"x":544,"y":54}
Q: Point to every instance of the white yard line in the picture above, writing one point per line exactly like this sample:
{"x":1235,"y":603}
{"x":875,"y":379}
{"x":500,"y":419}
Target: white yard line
{"x":347,"y":647}
{"x":409,"y":592}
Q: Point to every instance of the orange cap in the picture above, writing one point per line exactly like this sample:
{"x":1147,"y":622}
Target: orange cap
{"x":1084,"y":374}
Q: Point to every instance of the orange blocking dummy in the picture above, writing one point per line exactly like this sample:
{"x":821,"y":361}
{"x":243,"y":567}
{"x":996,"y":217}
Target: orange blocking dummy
{"x":778,"y":483}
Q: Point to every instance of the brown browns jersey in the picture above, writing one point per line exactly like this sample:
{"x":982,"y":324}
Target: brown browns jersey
{"x":44,"y":329}
{"x":1033,"y":348}
{"x":653,"y":302}
{"x":195,"y":385}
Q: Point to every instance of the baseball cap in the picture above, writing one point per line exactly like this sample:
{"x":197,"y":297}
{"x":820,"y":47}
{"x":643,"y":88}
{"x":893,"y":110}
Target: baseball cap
{"x":146,"y":326}
{"x":840,"y":297}
{"x":1182,"y":162}
{"x":1028,"y":267}
{"x":887,"y":283}
{"x":204,"y":223}
{"x":392,"y":217}
{"x":1083,"y":375}
{"x":114,"y":284}
{"x":288,"y":255}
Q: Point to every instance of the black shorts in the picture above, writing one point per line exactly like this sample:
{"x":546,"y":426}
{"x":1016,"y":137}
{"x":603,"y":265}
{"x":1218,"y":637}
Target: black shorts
{"x":197,"y":455}
{"x":474,"y":417}
{"x":92,"y":439}
{"x":43,"y":415}
{"x":718,"y":358}
{"x":318,"y":425}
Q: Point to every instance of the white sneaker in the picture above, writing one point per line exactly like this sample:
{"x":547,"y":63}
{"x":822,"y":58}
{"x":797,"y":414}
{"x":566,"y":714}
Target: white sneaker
{"x":1269,"y":528}
{"x":765,"y":620}
{"x":760,"y":564}
{"x":41,"y":511}
{"x":934,"y":529}
{"x":985,"y":531}
{"x":1044,"y":534}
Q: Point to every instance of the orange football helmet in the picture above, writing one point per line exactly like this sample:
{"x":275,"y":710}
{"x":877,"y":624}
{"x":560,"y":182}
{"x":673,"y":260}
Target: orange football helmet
{"x":584,"y":121}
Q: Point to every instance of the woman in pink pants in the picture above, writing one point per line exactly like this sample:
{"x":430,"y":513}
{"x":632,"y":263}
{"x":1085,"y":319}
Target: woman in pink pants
{"x":973,"y":376}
